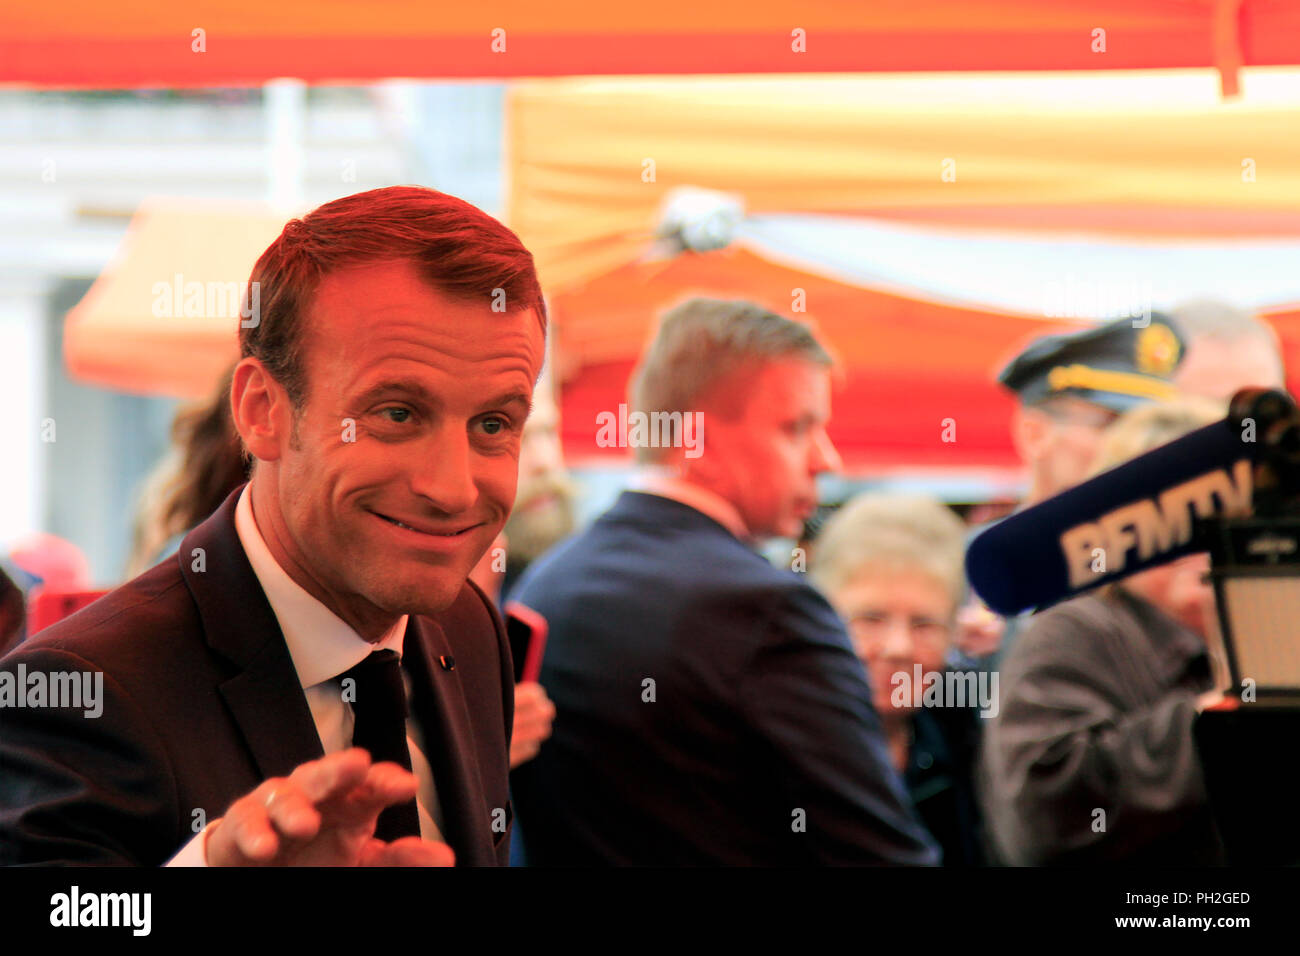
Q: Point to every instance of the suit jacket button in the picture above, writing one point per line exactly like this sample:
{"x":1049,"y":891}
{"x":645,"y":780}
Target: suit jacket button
{"x":448,"y":662}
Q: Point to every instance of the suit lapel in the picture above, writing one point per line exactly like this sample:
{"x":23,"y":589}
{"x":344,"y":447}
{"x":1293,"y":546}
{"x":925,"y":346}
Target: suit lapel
{"x":265,"y":697}
{"x":266,"y":700}
{"x":438,"y":702}
{"x":271,"y":710}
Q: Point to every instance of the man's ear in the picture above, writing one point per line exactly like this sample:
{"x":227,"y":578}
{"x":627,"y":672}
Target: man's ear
{"x":260,"y":409}
{"x":1029,"y":432}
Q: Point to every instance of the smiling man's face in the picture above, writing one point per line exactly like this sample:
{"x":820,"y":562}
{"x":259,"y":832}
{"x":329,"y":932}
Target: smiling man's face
{"x":402,"y":465}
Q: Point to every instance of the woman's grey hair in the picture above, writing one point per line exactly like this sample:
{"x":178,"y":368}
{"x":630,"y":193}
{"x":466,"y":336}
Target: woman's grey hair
{"x":892,"y":532}
{"x":701,"y":344}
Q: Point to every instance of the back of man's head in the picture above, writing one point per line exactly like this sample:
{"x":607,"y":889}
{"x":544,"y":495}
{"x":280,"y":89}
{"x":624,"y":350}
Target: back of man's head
{"x":1228,"y":349}
{"x":701,"y":350}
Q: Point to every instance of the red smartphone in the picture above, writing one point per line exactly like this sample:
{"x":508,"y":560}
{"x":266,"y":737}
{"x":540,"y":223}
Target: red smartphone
{"x":526,"y":631}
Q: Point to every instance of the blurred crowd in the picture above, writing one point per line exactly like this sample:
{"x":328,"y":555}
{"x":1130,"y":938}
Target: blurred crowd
{"x":772,"y":752}
{"x":697,"y":704}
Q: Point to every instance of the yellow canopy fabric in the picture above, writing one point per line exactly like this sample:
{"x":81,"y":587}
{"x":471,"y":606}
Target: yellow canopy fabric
{"x":590,"y":161}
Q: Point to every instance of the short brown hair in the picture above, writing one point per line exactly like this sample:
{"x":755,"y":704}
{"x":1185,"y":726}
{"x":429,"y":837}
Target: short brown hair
{"x":702,"y":343}
{"x":461,"y":250}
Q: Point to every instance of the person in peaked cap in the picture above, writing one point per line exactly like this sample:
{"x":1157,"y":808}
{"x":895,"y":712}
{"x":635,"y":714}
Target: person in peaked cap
{"x":1072,"y":386}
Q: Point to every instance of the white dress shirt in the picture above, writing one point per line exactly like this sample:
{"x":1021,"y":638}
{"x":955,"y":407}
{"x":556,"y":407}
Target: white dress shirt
{"x":322,"y":648}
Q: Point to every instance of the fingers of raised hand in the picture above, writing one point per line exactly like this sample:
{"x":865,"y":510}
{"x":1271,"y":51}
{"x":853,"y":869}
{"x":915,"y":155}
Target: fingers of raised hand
{"x":255,"y":827}
{"x":333,"y":776}
{"x":283,"y":810}
{"x":291,"y":812}
{"x":383,"y":785}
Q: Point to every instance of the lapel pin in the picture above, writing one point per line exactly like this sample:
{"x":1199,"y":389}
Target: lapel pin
{"x":448,"y":662}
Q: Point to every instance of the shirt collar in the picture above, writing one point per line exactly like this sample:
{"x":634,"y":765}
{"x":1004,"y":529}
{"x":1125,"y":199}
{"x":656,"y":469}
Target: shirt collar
{"x":667,"y":485}
{"x":320,"y":644}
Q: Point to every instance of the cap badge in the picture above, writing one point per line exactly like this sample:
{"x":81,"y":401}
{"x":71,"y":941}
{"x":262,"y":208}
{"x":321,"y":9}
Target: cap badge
{"x":1157,"y":350}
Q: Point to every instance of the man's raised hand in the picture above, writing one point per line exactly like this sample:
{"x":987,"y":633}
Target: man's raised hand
{"x":322,"y":814}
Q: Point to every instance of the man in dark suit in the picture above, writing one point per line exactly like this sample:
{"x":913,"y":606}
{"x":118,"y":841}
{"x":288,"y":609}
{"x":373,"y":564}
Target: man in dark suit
{"x":390,"y":351}
{"x":709,"y":706}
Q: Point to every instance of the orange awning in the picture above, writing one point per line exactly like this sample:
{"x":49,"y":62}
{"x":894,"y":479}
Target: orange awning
{"x":910,"y":367}
{"x":162,"y":319}
{"x":1121,"y":156}
{"x":134,"y":43}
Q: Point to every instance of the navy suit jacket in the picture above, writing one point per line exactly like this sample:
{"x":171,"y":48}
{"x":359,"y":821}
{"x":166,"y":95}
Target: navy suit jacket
{"x":709,"y":708}
{"x":202,"y":703}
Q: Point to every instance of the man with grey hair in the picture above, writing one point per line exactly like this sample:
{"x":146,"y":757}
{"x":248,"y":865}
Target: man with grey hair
{"x":1228,"y":349}
{"x":709,"y":706}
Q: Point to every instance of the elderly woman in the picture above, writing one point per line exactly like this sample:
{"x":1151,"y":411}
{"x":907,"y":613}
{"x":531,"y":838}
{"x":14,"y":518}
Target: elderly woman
{"x":1091,"y":758}
{"x":891,"y":565}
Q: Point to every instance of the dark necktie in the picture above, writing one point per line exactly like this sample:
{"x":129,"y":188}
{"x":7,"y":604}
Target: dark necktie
{"x":380,"y":727}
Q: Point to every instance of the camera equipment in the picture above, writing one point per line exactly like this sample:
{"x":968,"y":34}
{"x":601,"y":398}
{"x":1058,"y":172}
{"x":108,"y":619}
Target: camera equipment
{"x":1255,"y":560}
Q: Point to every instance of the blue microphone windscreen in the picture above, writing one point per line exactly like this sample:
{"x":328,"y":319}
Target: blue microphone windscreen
{"x":1122,"y":521}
